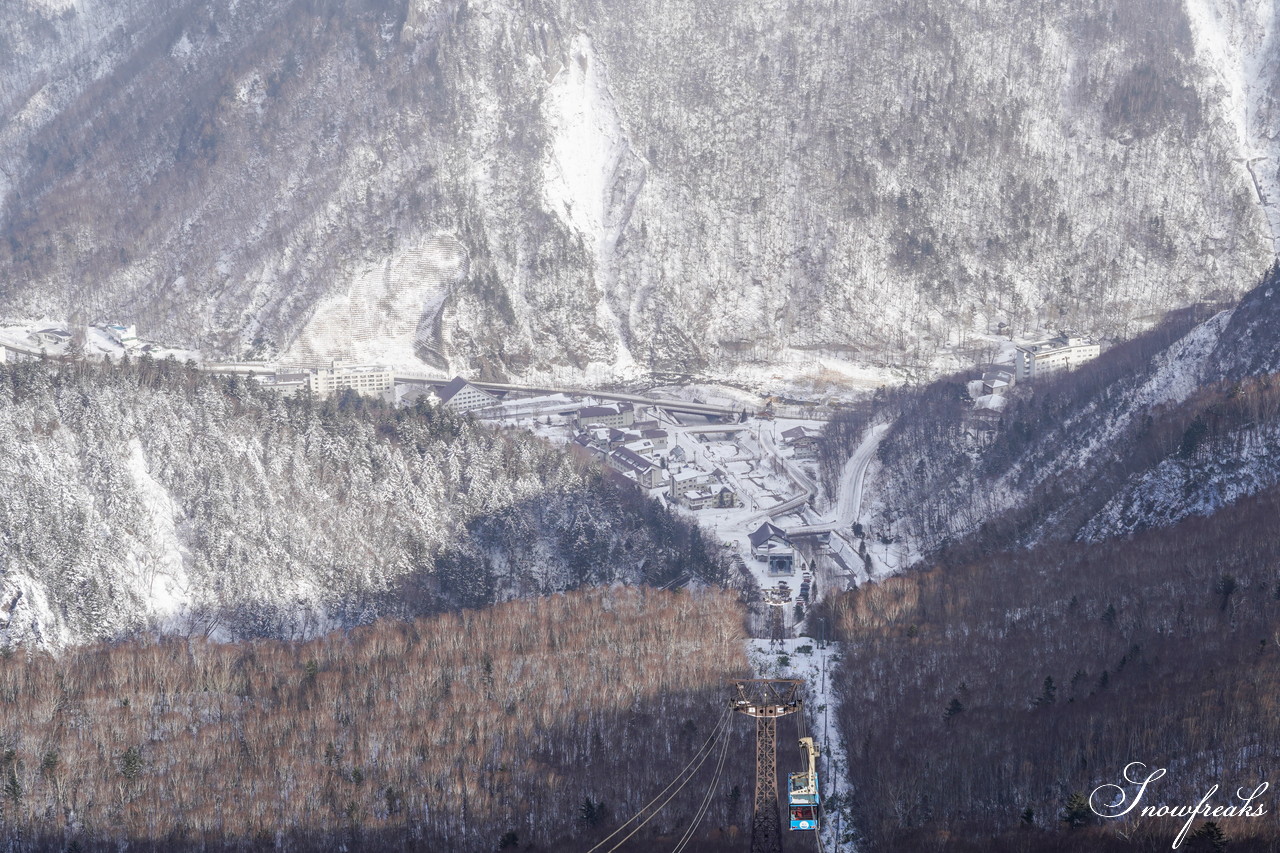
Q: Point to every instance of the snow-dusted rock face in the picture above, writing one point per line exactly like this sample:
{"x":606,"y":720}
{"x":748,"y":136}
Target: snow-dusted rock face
{"x":1179,"y":488}
{"x":636,"y":187}
{"x":1236,"y":39}
{"x":391,"y":313}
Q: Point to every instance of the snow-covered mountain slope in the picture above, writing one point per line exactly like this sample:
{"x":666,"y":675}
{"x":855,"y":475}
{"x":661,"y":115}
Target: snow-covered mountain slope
{"x":392,"y":313}
{"x":1237,"y":40}
{"x":632,"y":187}
{"x":1199,"y":484}
{"x":1178,"y":422}
{"x":150,"y":498}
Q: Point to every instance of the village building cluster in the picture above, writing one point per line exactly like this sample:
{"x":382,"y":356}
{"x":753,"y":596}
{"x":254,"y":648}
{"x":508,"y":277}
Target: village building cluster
{"x":637,"y":447}
{"x":1034,"y":360}
{"x":742,"y":483}
{"x":629,"y":441}
{"x":31,"y":343}
{"x":324,"y":380}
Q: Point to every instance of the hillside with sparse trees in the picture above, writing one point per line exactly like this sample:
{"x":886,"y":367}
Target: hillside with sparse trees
{"x":1099,"y":584}
{"x":981,"y":696}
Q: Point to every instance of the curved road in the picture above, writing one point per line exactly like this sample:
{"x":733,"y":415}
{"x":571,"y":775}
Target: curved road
{"x":852,"y":481}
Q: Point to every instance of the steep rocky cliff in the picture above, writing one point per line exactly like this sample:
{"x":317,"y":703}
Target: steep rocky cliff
{"x":575,"y":188}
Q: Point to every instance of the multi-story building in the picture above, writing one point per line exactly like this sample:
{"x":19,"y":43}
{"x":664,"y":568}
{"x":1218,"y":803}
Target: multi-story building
{"x":363,"y":379}
{"x":644,"y":447}
{"x":286,"y":384}
{"x":1064,"y":352}
{"x":657,"y":436}
{"x":688,"y":478}
{"x":636,"y":467}
{"x":703,"y":497}
{"x":619,"y":415}
{"x":125,"y":336}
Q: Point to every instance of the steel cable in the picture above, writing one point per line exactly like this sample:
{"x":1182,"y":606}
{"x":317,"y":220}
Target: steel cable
{"x":706,"y":801}
{"x":703,"y":751}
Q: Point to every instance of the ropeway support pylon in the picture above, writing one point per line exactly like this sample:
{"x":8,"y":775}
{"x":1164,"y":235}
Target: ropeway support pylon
{"x":766,"y":699}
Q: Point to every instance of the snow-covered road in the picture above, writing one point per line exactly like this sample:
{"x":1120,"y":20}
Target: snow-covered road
{"x":855,"y":476}
{"x":849,"y":501}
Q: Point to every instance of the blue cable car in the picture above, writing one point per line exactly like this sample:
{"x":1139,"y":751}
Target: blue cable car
{"x":802,"y":790}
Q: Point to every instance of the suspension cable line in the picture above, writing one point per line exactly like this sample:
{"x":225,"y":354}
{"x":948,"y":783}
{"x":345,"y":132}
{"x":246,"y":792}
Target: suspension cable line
{"x":706,"y":800}
{"x":700,"y":757}
{"x":724,"y":733}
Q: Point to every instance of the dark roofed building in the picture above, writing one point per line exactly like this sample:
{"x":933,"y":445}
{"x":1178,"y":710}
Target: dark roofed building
{"x":657,"y":436}
{"x":51,"y":337}
{"x":619,"y":415}
{"x":996,"y":381}
{"x":461,"y":396}
{"x":636,"y":466}
{"x":803,"y":440}
{"x":582,"y":447}
{"x":797,"y":433}
{"x":769,"y":544}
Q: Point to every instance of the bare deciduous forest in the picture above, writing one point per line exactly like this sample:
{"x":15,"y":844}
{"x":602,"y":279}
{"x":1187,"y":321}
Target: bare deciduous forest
{"x":538,"y":725}
{"x":980,"y":696}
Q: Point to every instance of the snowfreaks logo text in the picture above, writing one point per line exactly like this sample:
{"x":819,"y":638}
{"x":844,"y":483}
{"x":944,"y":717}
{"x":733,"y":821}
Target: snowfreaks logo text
{"x":1121,"y":805}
